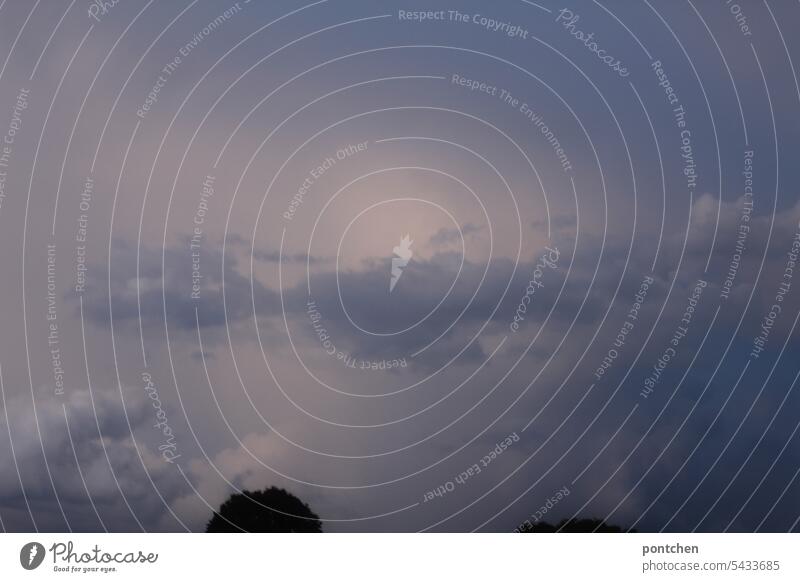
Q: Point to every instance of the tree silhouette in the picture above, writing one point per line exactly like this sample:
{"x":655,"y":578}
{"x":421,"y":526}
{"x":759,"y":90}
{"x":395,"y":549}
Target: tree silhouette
{"x":572,"y":526}
{"x":271,"y":510}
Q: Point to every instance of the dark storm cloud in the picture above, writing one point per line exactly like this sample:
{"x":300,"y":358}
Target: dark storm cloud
{"x":99,"y":442}
{"x":171,"y":290}
{"x":274,"y":256}
{"x":426,"y":281}
{"x":446,"y":236}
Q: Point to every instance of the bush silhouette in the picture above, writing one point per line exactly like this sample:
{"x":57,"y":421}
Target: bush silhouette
{"x":272,"y":510}
{"x":572,"y":526}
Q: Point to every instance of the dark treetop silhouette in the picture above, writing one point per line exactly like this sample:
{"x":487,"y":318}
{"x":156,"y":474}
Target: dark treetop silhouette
{"x":271,"y":510}
{"x":572,"y":526}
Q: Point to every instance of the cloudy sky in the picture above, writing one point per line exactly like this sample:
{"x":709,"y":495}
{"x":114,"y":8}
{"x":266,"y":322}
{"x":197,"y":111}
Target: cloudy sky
{"x":206,"y":288}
